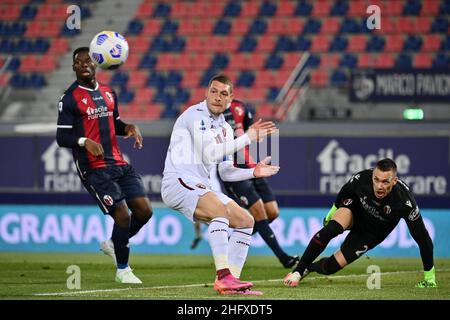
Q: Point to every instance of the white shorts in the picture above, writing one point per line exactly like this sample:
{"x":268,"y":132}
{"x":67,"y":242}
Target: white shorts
{"x":182,"y":194}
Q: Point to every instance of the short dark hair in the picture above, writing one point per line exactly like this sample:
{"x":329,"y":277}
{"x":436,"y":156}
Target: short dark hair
{"x":223,"y":79}
{"x":387,"y":165}
{"x":78,"y":50}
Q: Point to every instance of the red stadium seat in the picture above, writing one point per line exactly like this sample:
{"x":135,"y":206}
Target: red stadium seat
{"x":265,"y":111}
{"x":10,"y":13}
{"x":144,"y":11}
{"x":357,"y":43}
{"x":250,"y":8}
{"x":59,"y":46}
{"x":321,"y":8}
{"x":430,"y":8}
{"x":390,"y":7}
{"x":394,"y":43}
{"x":329,"y":61}
{"x":152,"y":112}
{"x":357,"y":8}
{"x":423,"y":60}
{"x":277,"y":26}
{"x":239,"y":26}
{"x":291,"y":59}
{"x":384,"y":60}
{"x":266,"y":43}
{"x":406,"y":25}
{"x":138,"y":44}
{"x":103,"y":77}
{"x":132,"y":62}
{"x":286,"y":8}
{"x":29,"y":63}
{"x":331,"y":25}
{"x":431,"y":42}
{"x":365,"y":60}
{"x":320,"y":44}
{"x":143,"y":96}
{"x":191,"y":79}
{"x":47,"y":63}
{"x":319,"y":78}
{"x":180,"y":9}
{"x":423,"y":24}
{"x":137,"y":79}
{"x":4,"y":79}
{"x":295,"y":25}
{"x":152,"y":27}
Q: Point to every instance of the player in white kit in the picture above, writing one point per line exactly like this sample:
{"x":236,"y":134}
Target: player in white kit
{"x":200,"y":139}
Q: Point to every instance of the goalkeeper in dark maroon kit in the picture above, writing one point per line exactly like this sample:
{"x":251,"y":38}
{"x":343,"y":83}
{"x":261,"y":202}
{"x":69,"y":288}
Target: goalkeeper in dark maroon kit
{"x":88,"y":122}
{"x":370,"y":205}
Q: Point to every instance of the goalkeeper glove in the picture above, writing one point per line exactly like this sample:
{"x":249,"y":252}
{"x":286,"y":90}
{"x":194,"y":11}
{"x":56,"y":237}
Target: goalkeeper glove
{"x":429,"y":280}
{"x":329,"y":215}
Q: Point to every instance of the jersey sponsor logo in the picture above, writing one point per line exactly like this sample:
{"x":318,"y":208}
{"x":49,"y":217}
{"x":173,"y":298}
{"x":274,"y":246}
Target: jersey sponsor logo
{"x":371,"y":210}
{"x":109,"y":95}
{"x":100,"y":112}
{"x":347,"y":202}
{"x":387,"y":209}
{"x":414,"y":214}
{"x":408,"y":203}
{"x":361,"y":252}
{"x":108,"y":200}
{"x":84,"y":100}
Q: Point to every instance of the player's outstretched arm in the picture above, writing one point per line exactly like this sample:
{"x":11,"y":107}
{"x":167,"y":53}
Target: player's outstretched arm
{"x":229,"y":173}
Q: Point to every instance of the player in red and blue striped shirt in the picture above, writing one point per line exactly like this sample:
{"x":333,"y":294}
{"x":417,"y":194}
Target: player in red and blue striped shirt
{"x":88,"y":123}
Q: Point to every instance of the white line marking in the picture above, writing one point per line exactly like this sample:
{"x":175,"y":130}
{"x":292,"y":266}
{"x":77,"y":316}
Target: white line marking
{"x":71,"y":293}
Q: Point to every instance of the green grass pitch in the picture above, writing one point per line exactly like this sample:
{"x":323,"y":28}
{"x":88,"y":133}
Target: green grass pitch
{"x":176,"y":277}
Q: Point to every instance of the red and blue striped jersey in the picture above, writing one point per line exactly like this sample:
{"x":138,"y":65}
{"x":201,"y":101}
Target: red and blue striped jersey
{"x":91,"y":113}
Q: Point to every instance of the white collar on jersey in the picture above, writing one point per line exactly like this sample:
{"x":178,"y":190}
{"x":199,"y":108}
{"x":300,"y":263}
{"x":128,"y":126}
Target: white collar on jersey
{"x":89,"y":89}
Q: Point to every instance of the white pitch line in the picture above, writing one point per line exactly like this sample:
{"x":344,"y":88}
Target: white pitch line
{"x":71,"y":293}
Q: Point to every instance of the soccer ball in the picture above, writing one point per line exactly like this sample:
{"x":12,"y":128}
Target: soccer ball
{"x":108,"y":49}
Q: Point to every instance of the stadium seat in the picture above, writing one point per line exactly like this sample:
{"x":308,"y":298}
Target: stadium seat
{"x":265,"y":111}
{"x":321,"y":8}
{"x":403,"y":61}
{"x":329,"y":61}
{"x":137,"y":79}
{"x":357,"y":8}
{"x":431,"y":42}
{"x":331,"y":25}
{"x":267,"y":9}
{"x":430,"y":8}
{"x":250,"y":9}
{"x":319,"y":78}
{"x":291,"y":59}
{"x":285,"y":8}
{"x":357,"y":43}
{"x":384,"y":60}
{"x":394,"y":43}
{"x":320,"y":44}
{"x":423,"y":60}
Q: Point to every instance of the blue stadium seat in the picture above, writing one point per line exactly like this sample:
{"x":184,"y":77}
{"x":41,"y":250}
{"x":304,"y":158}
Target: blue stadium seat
{"x":220,"y":61}
{"x":41,"y":45}
{"x":28,"y":12}
{"x":445,"y":8}
{"x":148,"y":62}
{"x":412,"y":43}
{"x":259,"y":26}
{"x":162,"y":10}
{"x":303,"y":9}
{"x":119,"y":79}
{"x":223,"y":26}
{"x":248,"y":44}
{"x":441,"y":61}
{"x":350,"y":25}
{"x":340,"y":8}
{"x":169,"y":27}
{"x":375,"y":44}
{"x":339,"y":43}
{"x":267,"y":9}
{"x":348,"y":61}
{"x":445,"y":46}
{"x":312,"y":26}
{"x":284,"y":44}
{"x":156,"y":80}
{"x":245,"y":79}
{"x":274,"y":61}
{"x":181,"y":95}
{"x":173,"y":78}
{"x":302,"y":44}
{"x":403,"y":61}
{"x":36,"y":80}
{"x":125,"y":96}
{"x":14,"y":64}
{"x":440,"y":25}
{"x":313,"y":61}
{"x":177,"y":44}
{"x":272,"y":93}
{"x":135,"y":27}
{"x":339,"y":78}
{"x":412,"y":8}
{"x":232,"y":9}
